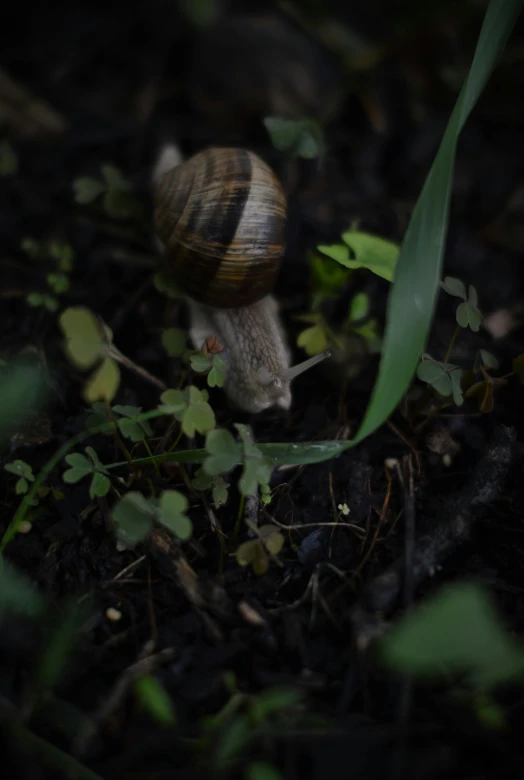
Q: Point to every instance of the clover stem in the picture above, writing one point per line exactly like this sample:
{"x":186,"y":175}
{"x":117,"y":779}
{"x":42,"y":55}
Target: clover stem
{"x":452,"y":343}
{"x":118,"y":439}
{"x":176,"y":440}
{"x":239,"y":519}
{"x":155,"y":464}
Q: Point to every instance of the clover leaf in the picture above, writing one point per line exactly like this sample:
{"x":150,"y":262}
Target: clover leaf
{"x":224,"y":453}
{"x":454,"y":287}
{"x":130,"y":427}
{"x":82,"y":466}
{"x":217,"y":485}
{"x":172,"y":514}
{"x":313,"y":340}
{"x":25,"y":473}
{"x":299,"y":137}
{"x":190,"y":407}
{"x":363,"y":250}
{"x":445,"y":378}
{"x":133,"y":516}
{"x":255,"y":551}
{"x":174,"y":341}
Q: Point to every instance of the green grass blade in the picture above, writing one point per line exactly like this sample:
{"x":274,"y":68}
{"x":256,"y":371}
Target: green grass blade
{"x":413,"y":296}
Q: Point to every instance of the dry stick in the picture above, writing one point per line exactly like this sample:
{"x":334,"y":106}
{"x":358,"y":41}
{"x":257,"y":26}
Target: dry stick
{"x":459,"y":512}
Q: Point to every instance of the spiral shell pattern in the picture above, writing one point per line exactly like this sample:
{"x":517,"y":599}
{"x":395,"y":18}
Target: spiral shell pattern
{"x":221,"y":217}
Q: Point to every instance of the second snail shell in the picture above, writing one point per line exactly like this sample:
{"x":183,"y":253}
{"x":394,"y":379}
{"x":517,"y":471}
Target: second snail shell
{"x":221,"y":217}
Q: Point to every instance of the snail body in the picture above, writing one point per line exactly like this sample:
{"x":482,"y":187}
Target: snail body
{"x":220,"y":221}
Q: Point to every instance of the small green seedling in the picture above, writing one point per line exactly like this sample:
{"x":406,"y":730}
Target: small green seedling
{"x":257,"y":551}
{"x":217,"y":485}
{"x":25,"y":475}
{"x":119,"y":200}
{"x":126,"y":417}
{"x":225,"y":454}
{"x":82,"y":466}
{"x":467,"y":314}
{"x":134,"y":516}
{"x":299,"y":138}
{"x":445,"y":378}
{"x":62,"y":255}
{"x":190,"y":408}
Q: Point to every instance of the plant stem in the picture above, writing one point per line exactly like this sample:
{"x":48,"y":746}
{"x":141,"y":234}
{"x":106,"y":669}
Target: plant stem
{"x":452,"y":343}
{"x":118,"y":438}
{"x":53,"y":461}
{"x":239,"y":519}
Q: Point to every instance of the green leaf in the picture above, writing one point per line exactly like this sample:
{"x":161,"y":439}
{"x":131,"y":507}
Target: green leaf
{"x":200,"y":363}
{"x":8,"y":159}
{"x":22,"y":486}
{"x":261,"y":770}
{"x":84,"y":339}
{"x":87,"y":189}
{"x":359,"y":307}
{"x":30,"y":247}
{"x":245,"y":552}
{"x":457,"y":631}
{"x":80,"y":468}
{"x":131,"y":427}
{"x":272,"y":538}
{"x":201,"y":13}
{"x":166,"y":285}
{"x":173,"y":506}
{"x":217,"y":374}
{"x":63,"y":253}
{"x":100,"y":485}
{"x":299,"y":137}
{"x":234,"y":738}
{"x":59,"y":647}
{"x":327,"y":276}
{"x":367,"y":251}
{"x":103,"y":384}
{"x":413,"y":296}
{"x":488,"y":359}
{"x":58,"y":282}
{"x":313,"y":340}
{"x":17,"y":595}
{"x":114,"y":178}
{"x":468,"y":315}
{"x":154,"y":698}
{"x":198,"y":415}
{"x":174,"y":341}
{"x":21,"y":469}
{"x":275,"y":701}
{"x":121,"y":204}
{"x":454,"y":287}
{"x":173,"y":402}
{"x":133,"y":516}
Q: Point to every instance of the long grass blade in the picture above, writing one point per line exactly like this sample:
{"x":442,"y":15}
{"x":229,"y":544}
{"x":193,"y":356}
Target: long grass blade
{"x":414,"y":293}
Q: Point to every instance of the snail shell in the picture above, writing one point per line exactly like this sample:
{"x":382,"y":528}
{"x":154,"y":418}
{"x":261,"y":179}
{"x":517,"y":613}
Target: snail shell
{"x":221,"y":217}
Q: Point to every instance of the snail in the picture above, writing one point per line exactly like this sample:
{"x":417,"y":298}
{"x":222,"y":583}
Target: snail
{"x":220,"y":221}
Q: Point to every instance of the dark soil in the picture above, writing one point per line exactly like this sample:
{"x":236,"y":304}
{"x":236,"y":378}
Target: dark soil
{"x":122,"y":80}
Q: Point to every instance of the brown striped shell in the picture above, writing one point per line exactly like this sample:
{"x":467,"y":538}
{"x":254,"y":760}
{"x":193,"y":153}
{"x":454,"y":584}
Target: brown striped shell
{"x":221,"y":217}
